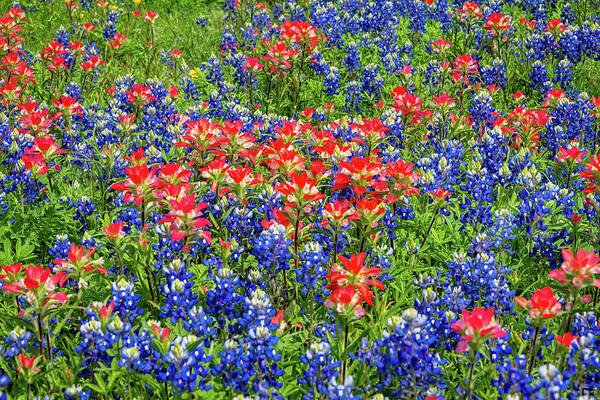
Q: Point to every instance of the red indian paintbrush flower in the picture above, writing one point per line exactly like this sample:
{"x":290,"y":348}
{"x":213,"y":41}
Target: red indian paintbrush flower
{"x":160,"y":333}
{"x":36,"y":276}
{"x":555,"y":27}
{"x":92,"y":62}
{"x":118,"y":40}
{"x":543,"y":304}
{"x":470,"y":9}
{"x":567,"y":339}
{"x":444,"y":102}
{"x":38,"y":285}
{"x":592,"y":172}
{"x":464,"y":66}
{"x":339,"y":214}
{"x":35,"y":162}
{"x":151,"y":16}
{"x":571,"y":154}
{"x":253,"y":64}
{"x":79,"y":257}
{"x":359,"y":174}
{"x":114,"y":231}
{"x":354,"y":272}
{"x":300,"y":191}
{"x":402,"y":178}
{"x":27,"y":365}
{"x":476,"y":327}
{"x":140,"y":94}
{"x":140,"y":184}
{"x":185,"y":217}
{"x":10,"y":277}
{"x":440,"y":46}
{"x":369,"y":211}
{"x":47,"y":146}
{"x":497,"y":23}
{"x":346,"y":300}
{"x":68,"y":105}
{"x":577,"y":270}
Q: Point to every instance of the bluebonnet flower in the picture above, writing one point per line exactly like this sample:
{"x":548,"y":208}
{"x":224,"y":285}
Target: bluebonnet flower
{"x":503,"y":230}
{"x":95,"y":342}
{"x":76,"y":392}
{"x":178,"y":291}
{"x":272,"y":249}
{"x":249,"y":364}
{"x":564,"y":74}
{"x":83,"y":208}
{"x":202,"y":21}
{"x":331,"y":82}
{"x":539,"y":77}
{"x":371,"y":81}
{"x":513,"y":377}
{"x":60,"y":249}
{"x":417,"y":14}
{"x":354,"y":96}
{"x":125,"y":300}
{"x":482,"y":111}
{"x":320,"y":369}
{"x":15,"y":342}
{"x":405,"y":354}
{"x":495,"y":74}
{"x":319,"y":64}
{"x":352,"y":59}
{"x":186,"y":367}
{"x":312,"y":270}
{"x":551,"y":381}
{"x":433,"y":76}
{"x":222,"y":301}
{"x":200,"y":324}
{"x":481,"y":279}
{"x":341,"y":391}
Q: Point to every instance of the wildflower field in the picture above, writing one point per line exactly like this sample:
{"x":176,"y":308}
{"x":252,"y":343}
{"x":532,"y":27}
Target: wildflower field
{"x":310,"y":199}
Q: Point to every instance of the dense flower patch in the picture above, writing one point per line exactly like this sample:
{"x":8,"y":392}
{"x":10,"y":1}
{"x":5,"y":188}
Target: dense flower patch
{"x":348,"y":200}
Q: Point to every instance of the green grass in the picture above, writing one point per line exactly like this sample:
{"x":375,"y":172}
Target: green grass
{"x":175,"y":28}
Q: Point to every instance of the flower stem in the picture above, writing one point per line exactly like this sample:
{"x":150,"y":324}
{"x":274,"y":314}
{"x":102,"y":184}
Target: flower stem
{"x":428,"y":230}
{"x":533,"y":345}
{"x":41,"y":333}
{"x":343,"y":364}
{"x":470,"y":382}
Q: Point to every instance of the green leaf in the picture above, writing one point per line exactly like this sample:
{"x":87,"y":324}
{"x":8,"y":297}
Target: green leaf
{"x":62,"y":322}
{"x":95,"y":387}
{"x":20,"y":322}
{"x":101,"y":383}
{"x":351,"y":347}
{"x":195,"y":344}
{"x":114,"y":364}
{"x":290,"y":311}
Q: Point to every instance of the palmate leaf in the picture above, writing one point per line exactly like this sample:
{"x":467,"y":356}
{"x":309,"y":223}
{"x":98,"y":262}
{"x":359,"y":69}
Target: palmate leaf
{"x":289,"y":344}
{"x":19,"y":252}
